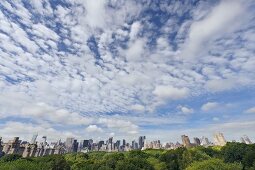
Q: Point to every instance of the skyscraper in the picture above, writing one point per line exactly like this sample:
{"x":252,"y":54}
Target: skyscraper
{"x":141,"y":141}
{"x":75,"y":146}
{"x":247,"y":139}
{"x":186,"y":141}
{"x":110,"y":144}
{"x":197,"y":141}
{"x":100,"y":144}
{"x":69,"y":144}
{"x":33,"y":140}
{"x":44,"y":140}
{"x":124,"y":142}
{"x":219,"y":139}
{"x":205,"y":141}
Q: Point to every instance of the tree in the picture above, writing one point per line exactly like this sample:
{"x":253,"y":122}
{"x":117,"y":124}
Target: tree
{"x":249,"y":157}
{"x":157,"y":164}
{"x":134,"y":164}
{"x":192,"y":155}
{"x":10,"y":157}
{"x":173,"y":158}
{"x":234,"y":152}
{"x":214,"y":164}
{"x":138,"y":154}
{"x":23,"y":164}
{"x":111,"y":159}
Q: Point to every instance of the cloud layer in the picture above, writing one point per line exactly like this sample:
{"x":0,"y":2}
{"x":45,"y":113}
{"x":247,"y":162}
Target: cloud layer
{"x":115,"y":66}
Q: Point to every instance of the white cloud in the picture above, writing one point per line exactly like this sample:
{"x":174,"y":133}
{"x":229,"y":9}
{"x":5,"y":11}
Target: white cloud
{"x":94,"y":128}
{"x":209,"y":106}
{"x":45,"y":112}
{"x":138,"y":107}
{"x":11,"y":128}
{"x":170,"y":92}
{"x":250,"y":110}
{"x":95,"y":13}
{"x":50,"y":81}
{"x":186,"y":110}
{"x":220,"y":21}
{"x":135,"y":50}
{"x":118,"y":124}
{"x":134,"y":30}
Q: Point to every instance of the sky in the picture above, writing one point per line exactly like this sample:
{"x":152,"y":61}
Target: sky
{"x":125,"y":68}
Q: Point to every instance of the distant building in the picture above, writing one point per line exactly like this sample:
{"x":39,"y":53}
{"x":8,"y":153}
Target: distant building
{"x":33,"y":140}
{"x":124,"y":142}
{"x":219,"y":139}
{"x":110,"y":144}
{"x":186,"y":141}
{"x":117,"y":145}
{"x":205,"y":141}
{"x":44,"y":140}
{"x":71,"y":145}
{"x":100,"y":144}
{"x":141,"y":141}
{"x":1,"y":148}
{"x":134,"y":145}
{"x":197,"y":141}
{"x":245,"y":139}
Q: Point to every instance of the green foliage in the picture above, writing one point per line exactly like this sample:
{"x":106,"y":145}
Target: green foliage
{"x":23,"y":164}
{"x":173,"y":158}
{"x":111,"y":159}
{"x":214,"y":164}
{"x":138,"y":154}
{"x":233,"y":156}
{"x":192,"y":155}
{"x":249,"y":157}
{"x":134,"y":164}
{"x":76,"y":158}
{"x":240,"y":153}
{"x":9,"y":158}
{"x":210,"y":151}
{"x":157,"y":164}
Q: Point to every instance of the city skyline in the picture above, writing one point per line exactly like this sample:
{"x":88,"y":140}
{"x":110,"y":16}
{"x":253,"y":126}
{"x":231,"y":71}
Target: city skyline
{"x":43,"y":147}
{"x":127,"y":68}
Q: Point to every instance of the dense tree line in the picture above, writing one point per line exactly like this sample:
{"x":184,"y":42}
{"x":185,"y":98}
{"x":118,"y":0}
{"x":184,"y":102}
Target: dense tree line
{"x":233,"y":156}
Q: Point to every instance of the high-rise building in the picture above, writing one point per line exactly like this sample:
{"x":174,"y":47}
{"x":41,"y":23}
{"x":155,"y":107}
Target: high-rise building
{"x":117,"y":145}
{"x":90,"y":144}
{"x":124,"y":142}
{"x":84,"y":144}
{"x":75,"y":146}
{"x":33,"y":140}
{"x":247,"y":139}
{"x":197,"y":141}
{"x":141,"y":141}
{"x":134,"y":145}
{"x":110,"y":144}
{"x":219,"y":139}
{"x":205,"y":141}
{"x":186,"y":141}
{"x":100,"y":144}
{"x":242,"y":140}
{"x":44,"y":140}
{"x":1,"y":148}
{"x":69,"y":144}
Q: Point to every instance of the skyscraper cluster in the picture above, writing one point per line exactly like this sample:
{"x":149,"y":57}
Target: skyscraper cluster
{"x":71,"y":145}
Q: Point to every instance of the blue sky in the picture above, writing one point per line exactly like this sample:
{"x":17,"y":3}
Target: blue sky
{"x":127,"y":68}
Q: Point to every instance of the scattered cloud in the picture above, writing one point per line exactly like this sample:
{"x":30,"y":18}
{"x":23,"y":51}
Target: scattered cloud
{"x":209,"y":106}
{"x":170,"y":92}
{"x":93,"y":129}
{"x":185,"y":110}
{"x":91,"y":60}
{"x":250,"y":110}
